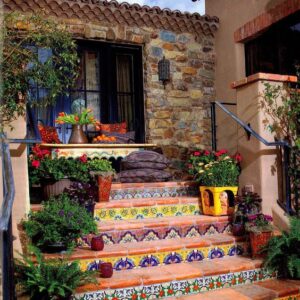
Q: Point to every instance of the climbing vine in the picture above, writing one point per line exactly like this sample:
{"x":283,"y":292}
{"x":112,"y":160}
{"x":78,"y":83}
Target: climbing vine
{"x":36,"y":52}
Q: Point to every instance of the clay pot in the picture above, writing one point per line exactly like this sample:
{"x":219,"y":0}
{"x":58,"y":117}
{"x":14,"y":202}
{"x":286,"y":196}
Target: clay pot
{"x":257,"y":241}
{"x":238,"y":229}
{"x":104,"y":185}
{"x":77,"y":135}
{"x":106,"y":270}
{"x":97,"y":243}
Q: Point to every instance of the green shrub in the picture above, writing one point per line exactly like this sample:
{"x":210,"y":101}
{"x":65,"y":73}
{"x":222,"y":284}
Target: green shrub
{"x":61,"y":220}
{"x":283,"y":252}
{"x":49,"y":279}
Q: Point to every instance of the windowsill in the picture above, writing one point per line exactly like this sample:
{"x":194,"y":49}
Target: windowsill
{"x":262,"y":76}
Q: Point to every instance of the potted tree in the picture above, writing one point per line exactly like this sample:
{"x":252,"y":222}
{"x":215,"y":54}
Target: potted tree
{"x":260,"y":229}
{"x":217,"y":174}
{"x":58,"y":225}
{"x":43,"y":279}
{"x":55,"y":174}
{"x":104,"y":170}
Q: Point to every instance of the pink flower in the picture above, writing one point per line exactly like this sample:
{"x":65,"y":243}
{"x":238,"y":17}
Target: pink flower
{"x":196,"y":153}
{"x":190,"y":166}
{"x":268,"y":218}
{"x":83,"y":158}
{"x":35,"y":163}
{"x":252,"y":217}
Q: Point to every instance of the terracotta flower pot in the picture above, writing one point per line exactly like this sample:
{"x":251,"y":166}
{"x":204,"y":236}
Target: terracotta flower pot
{"x":257,"y":241}
{"x":77,"y":135}
{"x":106,"y":270}
{"x":54,"y":188}
{"x":238,"y":229}
{"x":97,"y":243}
{"x":104,"y":185}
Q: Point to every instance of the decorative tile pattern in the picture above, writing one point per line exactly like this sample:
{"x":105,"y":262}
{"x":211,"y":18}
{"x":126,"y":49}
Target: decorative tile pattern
{"x":183,"y":287}
{"x":129,"y":213}
{"x":158,"y":192}
{"x":292,"y":297}
{"x":168,"y":257}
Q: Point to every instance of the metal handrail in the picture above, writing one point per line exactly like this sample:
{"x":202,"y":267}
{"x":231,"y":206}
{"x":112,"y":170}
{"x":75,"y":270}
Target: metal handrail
{"x":286,"y":153}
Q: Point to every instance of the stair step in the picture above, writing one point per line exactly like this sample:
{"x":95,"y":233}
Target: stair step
{"x":121,"y":231}
{"x":171,"y":280}
{"x":153,"y":253}
{"x":266,"y":290}
{"x":153,"y":189}
{"x":128,"y":209}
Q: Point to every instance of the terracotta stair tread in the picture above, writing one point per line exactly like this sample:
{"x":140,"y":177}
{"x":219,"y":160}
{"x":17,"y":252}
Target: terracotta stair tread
{"x":116,"y":186}
{"x":167,"y":273}
{"x":160,"y":222}
{"x":265,"y":290}
{"x":147,"y":247}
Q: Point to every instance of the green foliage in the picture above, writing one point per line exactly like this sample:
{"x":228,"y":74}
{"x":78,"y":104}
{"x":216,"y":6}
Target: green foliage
{"x":22,"y":36}
{"x":100,"y":165}
{"x":83,"y":118}
{"x":282,"y":252}
{"x":60,"y":220}
{"x":259,"y":223}
{"x":49,"y":279}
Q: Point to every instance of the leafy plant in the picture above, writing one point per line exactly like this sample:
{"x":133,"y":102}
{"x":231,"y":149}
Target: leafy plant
{"x":259,"y":223}
{"x":84,"y":194}
{"x":98,"y":166}
{"x":60,"y":220}
{"x":248,"y":204}
{"x":282,"y":252}
{"x":215,"y":168}
{"x":85,"y":117}
{"x":42,"y":166}
{"x":50,"y":279}
{"x":25,"y":39}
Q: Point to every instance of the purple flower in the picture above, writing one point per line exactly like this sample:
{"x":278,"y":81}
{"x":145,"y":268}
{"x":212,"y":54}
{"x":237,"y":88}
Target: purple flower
{"x":252,"y":217}
{"x":268,"y":218}
{"x":61,"y":213}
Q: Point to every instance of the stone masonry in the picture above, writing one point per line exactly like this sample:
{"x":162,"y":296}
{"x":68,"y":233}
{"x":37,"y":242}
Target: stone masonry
{"x":177,"y":116}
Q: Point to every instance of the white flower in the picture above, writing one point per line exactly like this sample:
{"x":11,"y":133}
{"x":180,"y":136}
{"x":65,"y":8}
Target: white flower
{"x":201,"y":164}
{"x":201,"y":171}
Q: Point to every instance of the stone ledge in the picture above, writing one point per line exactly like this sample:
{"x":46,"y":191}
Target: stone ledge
{"x":262,"y":76}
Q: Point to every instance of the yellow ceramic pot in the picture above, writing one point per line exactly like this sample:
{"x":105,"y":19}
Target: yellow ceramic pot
{"x":218,"y":201}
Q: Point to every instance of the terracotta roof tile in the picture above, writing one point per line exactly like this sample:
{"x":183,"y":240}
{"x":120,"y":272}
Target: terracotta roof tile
{"x":110,"y":11}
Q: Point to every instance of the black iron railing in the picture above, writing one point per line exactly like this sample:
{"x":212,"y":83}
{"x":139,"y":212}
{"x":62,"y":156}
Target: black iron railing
{"x":287,"y":204}
{"x":33,"y":136}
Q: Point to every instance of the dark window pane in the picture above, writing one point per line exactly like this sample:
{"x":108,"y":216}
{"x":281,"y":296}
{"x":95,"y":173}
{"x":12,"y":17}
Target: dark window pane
{"x":92,"y":70}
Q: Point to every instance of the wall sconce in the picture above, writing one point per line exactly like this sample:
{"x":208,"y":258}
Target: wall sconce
{"x":164,"y":71}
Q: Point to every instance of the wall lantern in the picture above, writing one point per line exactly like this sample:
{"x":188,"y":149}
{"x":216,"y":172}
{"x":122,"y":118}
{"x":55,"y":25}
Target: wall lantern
{"x":164,"y":70}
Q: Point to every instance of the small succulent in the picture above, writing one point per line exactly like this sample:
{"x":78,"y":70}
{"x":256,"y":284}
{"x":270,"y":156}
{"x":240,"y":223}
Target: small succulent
{"x":248,"y":204}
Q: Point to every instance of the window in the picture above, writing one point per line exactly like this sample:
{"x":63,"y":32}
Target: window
{"x":110,"y":82}
{"x":277,"y":50}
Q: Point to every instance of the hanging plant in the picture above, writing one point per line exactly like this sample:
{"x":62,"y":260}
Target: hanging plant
{"x":37,"y":52}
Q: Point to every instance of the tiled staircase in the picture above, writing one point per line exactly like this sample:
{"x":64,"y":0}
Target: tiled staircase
{"x":162,"y":247}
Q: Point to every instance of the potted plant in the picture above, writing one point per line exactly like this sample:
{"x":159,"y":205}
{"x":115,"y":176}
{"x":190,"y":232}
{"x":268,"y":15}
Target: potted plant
{"x":104,"y":170}
{"x":77,"y":120}
{"x":246,"y":204}
{"x":58,"y":224}
{"x":260,"y":229}
{"x":217,"y":173}
{"x":85,"y":194}
{"x":55,"y":174}
{"x":42,"y":279}
{"x":282,"y":252}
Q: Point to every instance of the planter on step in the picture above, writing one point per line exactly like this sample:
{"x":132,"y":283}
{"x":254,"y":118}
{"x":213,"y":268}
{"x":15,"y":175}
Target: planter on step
{"x":258,"y":241}
{"x":54,"y":188}
{"x":104,"y":185}
{"x":106,"y":270}
{"x":97,"y":243}
{"x":218,"y":201}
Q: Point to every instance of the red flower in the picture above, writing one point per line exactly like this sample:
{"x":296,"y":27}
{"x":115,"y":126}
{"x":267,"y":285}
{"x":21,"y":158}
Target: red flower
{"x":61,"y":114}
{"x":143,"y":296}
{"x":238,"y":157}
{"x":221,"y":152}
{"x":206,"y":153}
{"x":83,"y":158}
{"x":45,"y":152}
{"x":35,"y":163}
{"x":134,"y":297}
{"x":170,"y":292}
{"x":76,"y":118}
{"x":196,"y":153}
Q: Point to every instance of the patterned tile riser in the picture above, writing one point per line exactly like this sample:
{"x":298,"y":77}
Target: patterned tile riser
{"x":158,"y":211}
{"x":160,"y":233}
{"x":168,"y":257}
{"x":180,"y":288}
{"x":293,"y":297}
{"x":153,"y":192}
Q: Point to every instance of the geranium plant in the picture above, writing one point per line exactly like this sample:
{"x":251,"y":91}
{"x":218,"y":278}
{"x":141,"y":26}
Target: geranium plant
{"x":84,"y":118}
{"x":259,"y":223}
{"x":43,"y":167}
{"x":215,"y":168}
{"x":101,"y":166}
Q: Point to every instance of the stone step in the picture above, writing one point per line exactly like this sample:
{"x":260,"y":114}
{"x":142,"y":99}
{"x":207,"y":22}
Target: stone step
{"x":154,"y":189}
{"x":160,"y":252}
{"x":171,"y":280}
{"x":126,"y":231}
{"x":264,"y":290}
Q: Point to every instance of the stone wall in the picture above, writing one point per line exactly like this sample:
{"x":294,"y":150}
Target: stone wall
{"x":177,"y":115}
